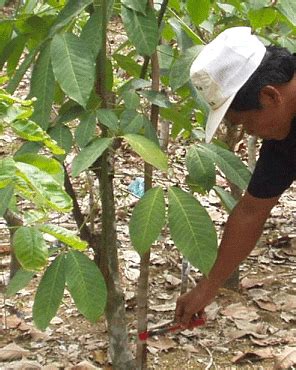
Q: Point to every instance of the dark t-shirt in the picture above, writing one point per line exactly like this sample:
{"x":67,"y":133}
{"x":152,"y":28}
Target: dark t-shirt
{"x":276,"y":166}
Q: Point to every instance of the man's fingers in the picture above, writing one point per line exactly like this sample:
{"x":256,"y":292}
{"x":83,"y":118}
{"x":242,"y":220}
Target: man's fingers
{"x":179,"y":312}
{"x":186,"y":318}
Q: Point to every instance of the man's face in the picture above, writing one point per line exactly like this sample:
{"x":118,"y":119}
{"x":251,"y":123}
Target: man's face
{"x":266,"y":123}
{"x":273,"y":119}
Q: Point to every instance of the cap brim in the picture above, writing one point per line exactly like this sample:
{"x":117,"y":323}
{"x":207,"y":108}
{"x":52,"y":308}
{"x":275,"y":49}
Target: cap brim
{"x":215,"y":117}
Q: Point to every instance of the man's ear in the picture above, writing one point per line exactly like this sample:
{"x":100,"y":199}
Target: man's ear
{"x":270,"y":96}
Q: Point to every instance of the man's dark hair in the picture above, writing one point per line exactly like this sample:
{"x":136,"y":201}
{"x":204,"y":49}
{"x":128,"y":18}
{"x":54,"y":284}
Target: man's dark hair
{"x":277,"y":67}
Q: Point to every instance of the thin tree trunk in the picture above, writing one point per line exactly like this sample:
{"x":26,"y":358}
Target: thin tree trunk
{"x":13,"y":222}
{"x":115,"y":310}
{"x":142,"y":296}
{"x":142,"y":300}
{"x":232,"y":137}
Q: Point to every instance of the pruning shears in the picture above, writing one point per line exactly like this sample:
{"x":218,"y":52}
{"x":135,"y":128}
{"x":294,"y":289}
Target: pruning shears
{"x":196,"y":321}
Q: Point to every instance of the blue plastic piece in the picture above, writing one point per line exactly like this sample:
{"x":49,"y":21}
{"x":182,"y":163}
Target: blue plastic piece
{"x":136,"y":187}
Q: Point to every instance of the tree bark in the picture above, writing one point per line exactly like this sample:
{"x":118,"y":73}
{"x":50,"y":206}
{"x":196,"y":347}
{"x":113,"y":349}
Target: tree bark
{"x":232,"y":137}
{"x":13,"y":222}
{"x":108,"y":262}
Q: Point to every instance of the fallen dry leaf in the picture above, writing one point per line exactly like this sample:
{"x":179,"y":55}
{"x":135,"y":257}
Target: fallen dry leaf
{"x":26,"y":365}
{"x":56,"y":320}
{"x":286,"y":359}
{"x":247,"y":283}
{"x":164,"y":307}
{"x":285,"y":301}
{"x":212,"y":311}
{"x":100,"y":357}
{"x":288,"y":317}
{"x":266,"y":305}
{"x":172,"y":280}
{"x":258,"y":330}
{"x":84,"y":365}
{"x":131,"y":273}
{"x":239,"y":311}
{"x":162,"y":343}
{"x":12,"y":352}
{"x":11,"y":322}
{"x":260,"y":354}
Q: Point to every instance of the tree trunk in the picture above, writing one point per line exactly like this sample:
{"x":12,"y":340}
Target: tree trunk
{"x":232,"y":137}
{"x":120,"y":353}
{"x":13,"y":222}
{"x":115,"y":311}
{"x":142,"y":298}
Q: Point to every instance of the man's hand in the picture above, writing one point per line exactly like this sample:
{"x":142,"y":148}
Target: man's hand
{"x":194,"y":302}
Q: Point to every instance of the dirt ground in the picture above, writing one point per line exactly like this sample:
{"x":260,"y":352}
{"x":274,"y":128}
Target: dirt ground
{"x":253,"y":328}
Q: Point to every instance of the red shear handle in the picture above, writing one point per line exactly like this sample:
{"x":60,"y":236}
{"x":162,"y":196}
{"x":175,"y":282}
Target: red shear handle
{"x":196,"y":321}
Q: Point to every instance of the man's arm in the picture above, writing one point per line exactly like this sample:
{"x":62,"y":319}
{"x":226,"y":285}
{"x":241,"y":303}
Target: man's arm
{"x":242,"y":230}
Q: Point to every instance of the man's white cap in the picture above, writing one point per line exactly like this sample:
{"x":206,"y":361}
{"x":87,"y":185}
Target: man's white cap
{"x":222,"y":68}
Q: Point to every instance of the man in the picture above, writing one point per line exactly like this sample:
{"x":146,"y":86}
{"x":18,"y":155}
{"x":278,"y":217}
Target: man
{"x":253,"y":86}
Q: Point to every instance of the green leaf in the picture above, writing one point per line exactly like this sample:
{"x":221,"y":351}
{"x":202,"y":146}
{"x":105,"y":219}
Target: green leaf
{"x":63,"y":136}
{"x":142,"y":30}
{"x":49,"y":293}
{"x":20,"y":280}
{"x":149,"y":131}
{"x":5,"y":198}
{"x":233,"y":168}
{"x":137,"y":5}
{"x":69,"y":111}
{"x":73,"y":66}
{"x":56,"y":3}
{"x":288,"y":9}
{"x":89,"y":155}
{"x":30,"y":248}
{"x":22,"y":69}
{"x":192,"y":230}
{"x":148,"y":150}
{"x":261,"y":17}
{"x":147,"y":219}
{"x":7,"y":171}
{"x":91,"y":33}
{"x":49,"y":165}
{"x":68,"y":13}
{"x":6,"y":29}
{"x":226,"y":198}
{"x":64,"y":235}
{"x":201,"y":168}
{"x":180,"y":72}
{"x":15,"y":54}
{"x":86,"y":129}
{"x":127,"y":64}
{"x":180,"y":119}
{"x":131,"y":99}
{"x":43,"y":87}
{"x":165,"y":56}
{"x":108,"y":118}
{"x":48,"y":191}
{"x":156,"y":98}
{"x":29,"y":130}
{"x":28,"y":147}
{"x":131,"y":122}
{"x":198,"y":10}
{"x":186,"y":38}
{"x":86,"y":285}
